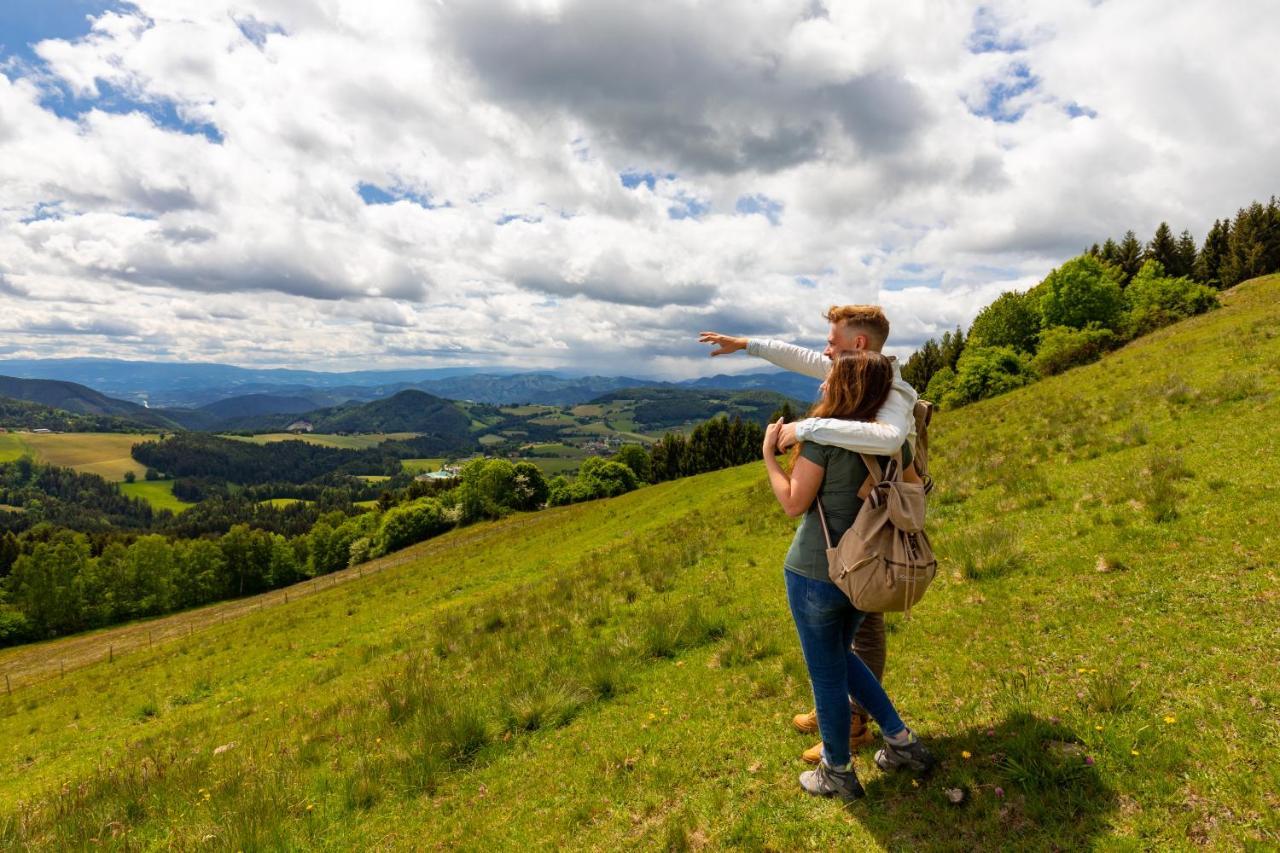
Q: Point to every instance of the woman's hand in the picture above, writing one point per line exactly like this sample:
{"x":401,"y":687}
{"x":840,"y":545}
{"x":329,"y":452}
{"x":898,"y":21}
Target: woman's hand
{"x":770,"y":448}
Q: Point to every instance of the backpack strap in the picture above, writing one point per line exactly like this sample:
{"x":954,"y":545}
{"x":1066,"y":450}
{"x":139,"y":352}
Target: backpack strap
{"x":822,"y":516}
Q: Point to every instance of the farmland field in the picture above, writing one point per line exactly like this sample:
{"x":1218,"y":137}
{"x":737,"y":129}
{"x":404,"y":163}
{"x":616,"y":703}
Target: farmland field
{"x":103,"y":453}
{"x":11,"y":447}
{"x":158,"y":493}
{"x":346,"y":442}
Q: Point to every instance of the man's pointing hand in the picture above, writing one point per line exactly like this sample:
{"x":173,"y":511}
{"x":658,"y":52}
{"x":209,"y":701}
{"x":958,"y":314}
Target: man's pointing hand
{"x":725,"y":344}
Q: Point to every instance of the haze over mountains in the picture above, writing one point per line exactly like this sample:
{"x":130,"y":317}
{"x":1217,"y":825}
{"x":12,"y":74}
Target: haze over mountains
{"x":197,"y":386}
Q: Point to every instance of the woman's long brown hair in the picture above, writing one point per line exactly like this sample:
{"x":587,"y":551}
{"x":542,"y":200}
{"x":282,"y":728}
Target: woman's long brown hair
{"x":856,"y":387}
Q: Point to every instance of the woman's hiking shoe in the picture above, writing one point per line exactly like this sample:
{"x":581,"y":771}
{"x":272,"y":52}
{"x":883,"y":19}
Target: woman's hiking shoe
{"x":859,"y":736}
{"x":806,"y":724}
{"x":826,"y":781}
{"x":914,"y":756}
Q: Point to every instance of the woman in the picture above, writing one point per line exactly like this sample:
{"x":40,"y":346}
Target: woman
{"x":825,"y":619}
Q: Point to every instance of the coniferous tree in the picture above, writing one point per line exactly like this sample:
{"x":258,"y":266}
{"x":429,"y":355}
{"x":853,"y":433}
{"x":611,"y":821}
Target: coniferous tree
{"x":1110,"y":252}
{"x":1129,"y":257}
{"x":1246,"y":247}
{"x":1095,"y":250}
{"x":922,"y":364}
{"x":1208,"y":269}
{"x":1184,"y":255}
{"x":952,"y":347}
{"x":1162,"y":247}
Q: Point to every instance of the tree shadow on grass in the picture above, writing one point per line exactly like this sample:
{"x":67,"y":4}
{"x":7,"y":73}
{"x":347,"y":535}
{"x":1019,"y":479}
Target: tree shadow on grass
{"x":1028,"y":784}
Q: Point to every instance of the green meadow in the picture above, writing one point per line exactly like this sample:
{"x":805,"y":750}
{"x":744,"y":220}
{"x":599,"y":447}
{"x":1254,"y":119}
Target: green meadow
{"x":158,"y":493}
{"x":1094,"y":664}
{"x":345,"y":442}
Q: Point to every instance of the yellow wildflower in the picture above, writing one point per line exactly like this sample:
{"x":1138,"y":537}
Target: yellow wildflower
{"x":966,"y":755}
{"x":1170,"y":719}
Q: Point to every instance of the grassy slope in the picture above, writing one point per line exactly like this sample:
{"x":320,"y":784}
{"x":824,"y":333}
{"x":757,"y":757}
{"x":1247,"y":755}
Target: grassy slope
{"x":158,"y":493}
{"x":11,"y":447}
{"x":106,"y":454}
{"x":345,"y":442}
{"x":637,"y":691}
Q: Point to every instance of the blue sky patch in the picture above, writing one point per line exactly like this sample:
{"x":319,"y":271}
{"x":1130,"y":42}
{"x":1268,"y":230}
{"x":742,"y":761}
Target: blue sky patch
{"x":1077,"y":110}
{"x":164,"y":113}
{"x":986,"y":36}
{"x":688,"y":207}
{"x":257,"y":31}
{"x":1018,"y":81}
{"x":759,"y":203}
{"x":805,"y":281}
{"x":632,"y":178}
{"x":374,"y":194}
{"x":27,"y":22}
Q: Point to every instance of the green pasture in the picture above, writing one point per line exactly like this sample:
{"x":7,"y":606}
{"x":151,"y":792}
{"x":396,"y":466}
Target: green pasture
{"x":12,"y":447}
{"x":345,"y":442}
{"x":158,"y":493}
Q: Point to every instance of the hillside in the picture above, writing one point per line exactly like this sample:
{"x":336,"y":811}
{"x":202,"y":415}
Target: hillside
{"x":79,"y":399}
{"x":661,"y":408}
{"x":25,"y":415}
{"x":1093,"y":664}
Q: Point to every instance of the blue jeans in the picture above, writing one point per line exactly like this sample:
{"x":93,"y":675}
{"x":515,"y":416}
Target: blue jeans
{"x":826,"y":621}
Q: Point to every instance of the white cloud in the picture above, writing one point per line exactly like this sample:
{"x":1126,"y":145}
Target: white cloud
{"x":201,"y":198}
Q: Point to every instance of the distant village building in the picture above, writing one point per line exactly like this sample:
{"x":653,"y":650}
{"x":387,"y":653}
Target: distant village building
{"x":299,"y":426}
{"x":448,"y":472}
{"x":42,"y":429}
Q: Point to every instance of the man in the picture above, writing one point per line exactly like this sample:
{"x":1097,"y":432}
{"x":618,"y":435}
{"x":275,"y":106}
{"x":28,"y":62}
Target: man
{"x":852,"y":327}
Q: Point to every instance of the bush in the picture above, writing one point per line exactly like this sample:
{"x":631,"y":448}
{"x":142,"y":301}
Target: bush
{"x":601,"y":478}
{"x":152,"y":474}
{"x":1157,"y":300}
{"x":1082,"y":292}
{"x":1013,"y":320}
{"x":637,"y":458}
{"x":13,"y":626}
{"x":985,"y":372}
{"x":1062,"y":348}
{"x":413,"y":522}
{"x":129,"y":476}
{"x":940,"y":385}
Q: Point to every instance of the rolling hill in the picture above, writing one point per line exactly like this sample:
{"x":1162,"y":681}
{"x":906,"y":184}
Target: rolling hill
{"x":79,"y":399}
{"x":1093,"y":664}
{"x":661,"y":408}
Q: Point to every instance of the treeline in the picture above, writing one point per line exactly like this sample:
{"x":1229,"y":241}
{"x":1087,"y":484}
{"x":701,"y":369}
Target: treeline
{"x":66,"y":498}
{"x":715,"y":444}
{"x":1096,"y":302}
{"x":200,"y":455}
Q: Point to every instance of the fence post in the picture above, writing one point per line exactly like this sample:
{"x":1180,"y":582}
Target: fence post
{"x":148,"y":639}
{"x":111,"y":654}
{"x":62,"y":669}
{"x":8,"y":688}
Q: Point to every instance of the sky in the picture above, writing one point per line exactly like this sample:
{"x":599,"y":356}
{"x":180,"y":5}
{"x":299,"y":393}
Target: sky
{"x":584,"y":185}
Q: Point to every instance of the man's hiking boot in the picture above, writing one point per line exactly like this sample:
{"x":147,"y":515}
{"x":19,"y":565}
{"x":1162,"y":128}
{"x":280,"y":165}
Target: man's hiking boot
{"x":806,"y":724}
{"x":826,"y":781}
{"x":914,"y":756}
{"x":859,"y":736}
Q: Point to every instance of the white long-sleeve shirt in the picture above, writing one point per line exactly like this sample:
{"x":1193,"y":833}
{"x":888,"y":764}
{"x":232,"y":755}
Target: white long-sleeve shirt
{"x":894,"y":424}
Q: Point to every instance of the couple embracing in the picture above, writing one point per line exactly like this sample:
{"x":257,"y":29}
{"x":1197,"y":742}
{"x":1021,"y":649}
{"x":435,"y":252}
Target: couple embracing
{"x":865,"y":407}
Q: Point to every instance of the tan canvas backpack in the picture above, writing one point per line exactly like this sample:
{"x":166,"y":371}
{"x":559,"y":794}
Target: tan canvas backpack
{"x":884,"y":562}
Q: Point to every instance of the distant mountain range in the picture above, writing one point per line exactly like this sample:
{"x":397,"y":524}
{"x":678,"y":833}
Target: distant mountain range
{"x":243,"y":390}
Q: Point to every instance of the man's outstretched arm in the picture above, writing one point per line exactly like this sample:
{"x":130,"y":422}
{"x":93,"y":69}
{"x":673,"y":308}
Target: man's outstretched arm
{"x":894,"y":425}
{"x":784,"y":355}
